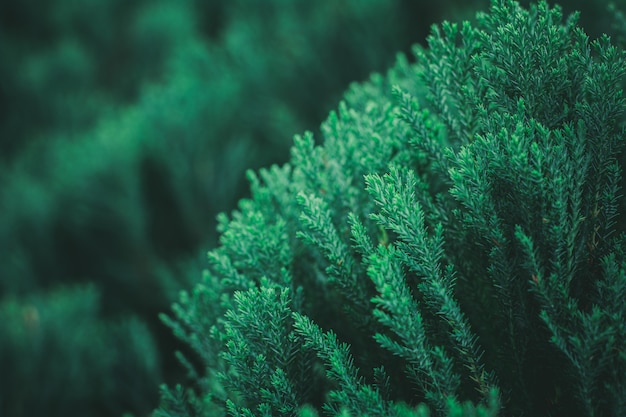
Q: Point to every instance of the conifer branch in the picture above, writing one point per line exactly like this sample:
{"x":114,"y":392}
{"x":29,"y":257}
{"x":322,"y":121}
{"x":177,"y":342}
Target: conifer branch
{"x":320,"y":232}
{"x":398,"y":310}
{"x":353,"y":392}
{"x":401,"y":213}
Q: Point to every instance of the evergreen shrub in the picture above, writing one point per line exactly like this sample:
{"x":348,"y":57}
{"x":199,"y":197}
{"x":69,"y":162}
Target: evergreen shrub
{"x":125,"y":127}
{"x":454,"y":246}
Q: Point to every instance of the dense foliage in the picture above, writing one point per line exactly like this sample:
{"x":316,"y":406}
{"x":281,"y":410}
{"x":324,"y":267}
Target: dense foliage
{"x":125,"y":127}
{"x":456,"y":236}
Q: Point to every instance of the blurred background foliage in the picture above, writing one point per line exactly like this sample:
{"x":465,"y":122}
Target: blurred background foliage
{"x":125,"y":127}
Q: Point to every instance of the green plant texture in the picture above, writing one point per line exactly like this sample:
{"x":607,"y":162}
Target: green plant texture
{"x":125,"y":127}
{"x":453,"y":246}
